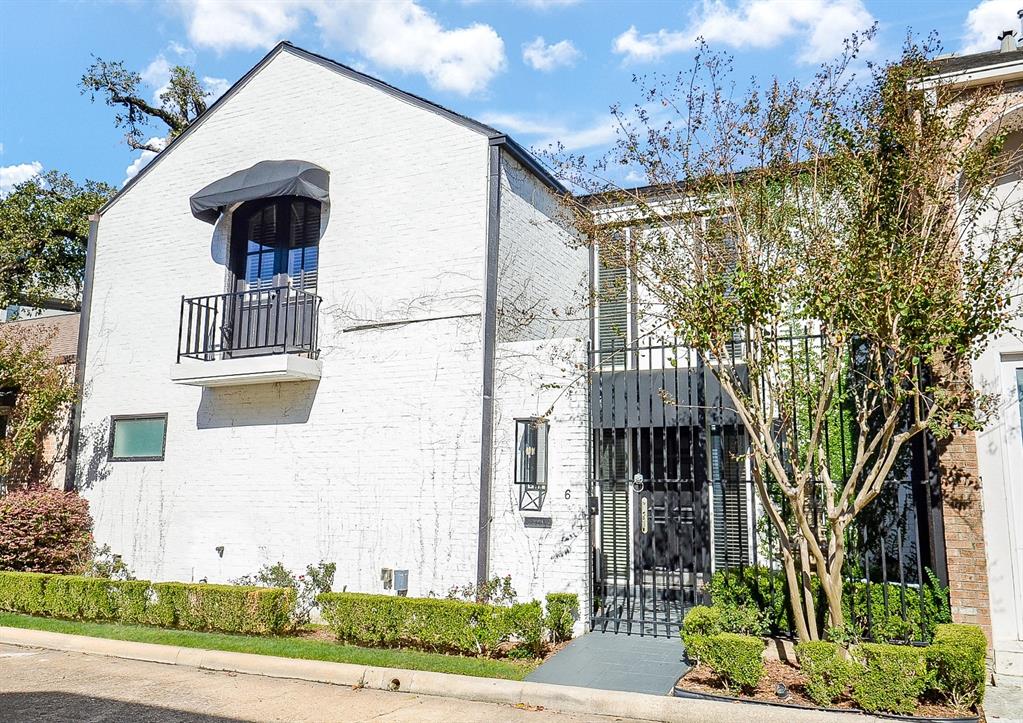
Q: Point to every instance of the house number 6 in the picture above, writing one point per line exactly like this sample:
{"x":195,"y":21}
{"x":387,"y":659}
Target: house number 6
{"x":568,"y":494}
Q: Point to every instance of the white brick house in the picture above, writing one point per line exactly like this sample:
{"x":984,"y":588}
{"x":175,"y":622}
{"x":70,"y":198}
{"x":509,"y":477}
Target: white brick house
{"x":439,"y":252}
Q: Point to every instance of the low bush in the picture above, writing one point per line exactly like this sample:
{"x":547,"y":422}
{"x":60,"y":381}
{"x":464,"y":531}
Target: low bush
{"x":742,"y":619}
{"x":891,"y":679}
{"x":736,"y":659}
{"x":956,"y":661}
{"x":700,"y":622}
{"x":562,"y":612}
{"x":316,"y":580}
{"x":877,"y":615}
{"x":431,"y":624}
{"x":192,"y":606}
{"x":44,"y":530}
{"x":828,"y":672}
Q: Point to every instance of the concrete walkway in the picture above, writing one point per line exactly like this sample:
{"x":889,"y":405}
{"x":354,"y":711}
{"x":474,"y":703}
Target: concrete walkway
{"x":615,"y":662}
{"x":1004,"y":703}
{"x":45,"y":685}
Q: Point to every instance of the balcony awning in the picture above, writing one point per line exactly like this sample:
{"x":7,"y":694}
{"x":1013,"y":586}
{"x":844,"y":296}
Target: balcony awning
{"x":266,"y":179}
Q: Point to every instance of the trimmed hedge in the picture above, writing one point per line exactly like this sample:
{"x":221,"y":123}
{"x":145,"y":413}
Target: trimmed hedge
{"x":699,"y":622}
{"x":828,"y":673}
{"x":736,"y":659}
{"x":191,"y":606}
{"x":453,"y":626}
{"x":892,"y":679}
{"x":562,"y":612}
{"x":956,"y":662}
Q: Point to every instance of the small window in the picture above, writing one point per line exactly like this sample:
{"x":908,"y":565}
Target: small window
{"x":138,"y":437}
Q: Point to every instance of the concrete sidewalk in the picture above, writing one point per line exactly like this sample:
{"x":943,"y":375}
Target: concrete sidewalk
{"x":586,"y":702}
{"x":48,"y":685}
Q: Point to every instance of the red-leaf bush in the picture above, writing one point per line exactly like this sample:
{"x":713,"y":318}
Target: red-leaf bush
{"x":44,"y":531}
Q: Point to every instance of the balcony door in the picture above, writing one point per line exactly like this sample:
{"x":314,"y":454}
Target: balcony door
{"x":274,"y":262}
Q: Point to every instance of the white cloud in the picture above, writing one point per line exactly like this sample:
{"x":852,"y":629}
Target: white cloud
{"x":11,"y":176}
{"x":541,"y":56}
{"x":143,"y":159}
{"x":399,"y":35}
{"x":549,"y":132}
{"x":1,"y":149}
{"x":216,"y":86}
{"x":157,"y":75}
{"x":986,"y":21}
{"x":820,"y":24}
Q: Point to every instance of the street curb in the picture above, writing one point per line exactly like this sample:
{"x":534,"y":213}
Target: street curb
{"x":564,"y":698}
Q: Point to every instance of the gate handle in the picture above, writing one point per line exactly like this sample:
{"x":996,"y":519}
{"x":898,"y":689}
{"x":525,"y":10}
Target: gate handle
{"x":644,"y":517}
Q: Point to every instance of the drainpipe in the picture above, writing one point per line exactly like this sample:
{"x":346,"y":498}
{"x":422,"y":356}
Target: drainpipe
{"x":75,"y":433}
{"x":489,"y":356}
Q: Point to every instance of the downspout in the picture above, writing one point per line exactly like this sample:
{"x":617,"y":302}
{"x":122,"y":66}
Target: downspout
{"x":489,"y":355}
{"x":70,"y":469}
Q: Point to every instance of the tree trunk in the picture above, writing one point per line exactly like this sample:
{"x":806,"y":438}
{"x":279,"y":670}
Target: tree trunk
{"x":795,"y":599}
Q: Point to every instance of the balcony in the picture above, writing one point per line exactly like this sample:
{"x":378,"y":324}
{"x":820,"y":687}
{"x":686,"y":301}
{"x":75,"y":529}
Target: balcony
{"x":248,"y":337}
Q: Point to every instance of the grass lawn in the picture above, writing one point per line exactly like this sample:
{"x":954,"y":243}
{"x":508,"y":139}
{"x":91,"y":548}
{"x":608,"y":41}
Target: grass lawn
{"x":285,"y":647}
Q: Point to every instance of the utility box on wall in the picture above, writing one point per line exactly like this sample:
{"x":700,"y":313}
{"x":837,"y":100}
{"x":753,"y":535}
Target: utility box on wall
{"x":394,"y":579}
{"x":401,"y":582}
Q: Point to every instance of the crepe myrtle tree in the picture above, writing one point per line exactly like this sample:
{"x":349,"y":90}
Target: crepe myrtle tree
{"x":854,"y":210}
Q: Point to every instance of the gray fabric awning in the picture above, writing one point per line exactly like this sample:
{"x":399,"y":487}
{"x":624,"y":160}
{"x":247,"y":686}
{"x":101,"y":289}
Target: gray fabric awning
{"x":266,"y":179}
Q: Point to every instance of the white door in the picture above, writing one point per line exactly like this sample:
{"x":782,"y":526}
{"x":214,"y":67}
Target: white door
{"x":1011,"y":408}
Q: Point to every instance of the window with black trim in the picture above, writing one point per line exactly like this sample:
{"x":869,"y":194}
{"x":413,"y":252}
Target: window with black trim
{"x":8,"y":398}
{"x":531,"y":462}
{"x":137,"y":437}
{"x":275,"y":242}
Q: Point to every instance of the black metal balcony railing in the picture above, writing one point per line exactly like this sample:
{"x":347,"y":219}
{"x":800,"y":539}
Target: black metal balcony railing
{"x":259,"y":322}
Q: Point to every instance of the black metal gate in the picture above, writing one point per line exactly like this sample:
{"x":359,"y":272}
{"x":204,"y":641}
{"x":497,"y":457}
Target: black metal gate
{"x":672,"y":496}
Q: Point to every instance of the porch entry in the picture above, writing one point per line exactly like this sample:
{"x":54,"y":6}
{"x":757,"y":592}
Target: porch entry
{"x":672,"y":498}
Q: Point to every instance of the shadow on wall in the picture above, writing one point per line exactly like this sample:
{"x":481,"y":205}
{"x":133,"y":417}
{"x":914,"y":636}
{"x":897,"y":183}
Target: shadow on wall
{"x":256,"y":405}
{"x":93,"y":451}
{"x":53,"y":705}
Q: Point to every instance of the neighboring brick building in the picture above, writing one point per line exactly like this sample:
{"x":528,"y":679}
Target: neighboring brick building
{"x":982,"y":473}
{"x":61,"y":331}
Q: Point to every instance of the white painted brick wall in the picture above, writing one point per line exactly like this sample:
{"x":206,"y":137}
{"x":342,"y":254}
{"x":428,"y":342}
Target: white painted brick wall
{"x":542,"y":331}
{"x":378,"y":463}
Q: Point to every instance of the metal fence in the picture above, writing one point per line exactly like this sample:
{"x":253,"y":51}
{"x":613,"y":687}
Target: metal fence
{"x":673,"y":503}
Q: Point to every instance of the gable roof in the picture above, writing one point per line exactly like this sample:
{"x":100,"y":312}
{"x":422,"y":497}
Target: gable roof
{"x":496,"y":137}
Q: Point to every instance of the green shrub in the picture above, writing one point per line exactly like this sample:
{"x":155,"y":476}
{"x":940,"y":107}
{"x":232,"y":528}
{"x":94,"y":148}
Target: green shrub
{"x":892,"y":677}
{"x":526,"y":623}
{"x":736,"y":659}
{"x":22,"y":592}
{"x":223,"y":608}
{"x":317,"y":579}
{"x":562,"y":612}
{"x":700,"y":622}
{"x":197,"y":606}
{"x":431,"y":624}
{"x":742,"y":619}
{"x":956,"y":661}
{"x":828,"y":673}
{"x":767,"y":590}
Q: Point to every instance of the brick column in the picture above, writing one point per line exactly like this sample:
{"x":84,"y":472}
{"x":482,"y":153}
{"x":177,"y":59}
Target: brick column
{"x":963,"y":510}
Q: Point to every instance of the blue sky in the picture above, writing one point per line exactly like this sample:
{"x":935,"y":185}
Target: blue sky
{"x":542,"y":70}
